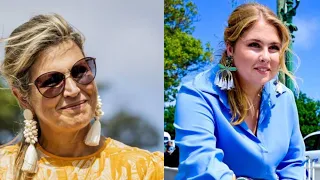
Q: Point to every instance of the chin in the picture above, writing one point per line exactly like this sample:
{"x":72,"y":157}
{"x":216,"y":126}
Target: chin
{"x":77,"y":120}
{"x":263,"y":82}
{"x":76,"y":125}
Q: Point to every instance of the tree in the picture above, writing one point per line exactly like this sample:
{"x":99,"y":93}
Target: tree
{"x":309,"y":117}
{"x":131,"y":130}
{"x":169,"y":117}
{"x":182,"y":52}
{"x":10,"y":114}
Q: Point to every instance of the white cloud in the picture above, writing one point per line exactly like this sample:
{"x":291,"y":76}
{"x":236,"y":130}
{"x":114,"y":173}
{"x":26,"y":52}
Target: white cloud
{"x":308,"y":28}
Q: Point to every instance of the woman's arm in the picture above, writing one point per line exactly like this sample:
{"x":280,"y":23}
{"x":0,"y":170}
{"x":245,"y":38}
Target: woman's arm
{"x":194,"y":123}
{"x":292,"y":166}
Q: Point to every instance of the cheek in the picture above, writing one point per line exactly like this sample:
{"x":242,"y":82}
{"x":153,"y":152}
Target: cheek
{"x":245,"y":59}
{"x":44,"y":107}
{"x":275,"y":63}
{"x":92,"y":92}
{"x":90,"y":89}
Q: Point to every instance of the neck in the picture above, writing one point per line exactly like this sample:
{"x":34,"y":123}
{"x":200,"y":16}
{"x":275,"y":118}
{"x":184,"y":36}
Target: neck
{"x":252,"y":91}
{"x":66,"y":144}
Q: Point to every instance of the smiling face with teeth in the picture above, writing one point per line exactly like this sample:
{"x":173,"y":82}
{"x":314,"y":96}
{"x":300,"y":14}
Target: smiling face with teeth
{"x":257,"y":54}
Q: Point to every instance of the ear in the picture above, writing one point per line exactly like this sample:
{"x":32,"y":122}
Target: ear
{"x":22,"y":100}
{"x":229,"y":50}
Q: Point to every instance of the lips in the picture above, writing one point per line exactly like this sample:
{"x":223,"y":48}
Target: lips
{"x":74,"y":104}
{"x":262,"y":69}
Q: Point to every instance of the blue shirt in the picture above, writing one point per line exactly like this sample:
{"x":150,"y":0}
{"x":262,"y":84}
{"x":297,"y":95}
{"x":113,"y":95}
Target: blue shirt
{"x":212,"y":148}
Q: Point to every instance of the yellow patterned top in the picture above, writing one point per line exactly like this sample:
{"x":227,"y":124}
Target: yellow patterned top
{"x":114,"y":161}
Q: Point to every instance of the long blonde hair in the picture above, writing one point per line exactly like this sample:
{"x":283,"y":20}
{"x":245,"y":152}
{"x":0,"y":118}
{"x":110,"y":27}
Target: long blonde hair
{"x":23,"y":47}
{"x":241,"y":20}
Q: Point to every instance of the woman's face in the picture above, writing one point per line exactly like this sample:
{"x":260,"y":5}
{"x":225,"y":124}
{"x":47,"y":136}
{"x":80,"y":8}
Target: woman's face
{"x":257,"y":54}
{"x":73,"y":109}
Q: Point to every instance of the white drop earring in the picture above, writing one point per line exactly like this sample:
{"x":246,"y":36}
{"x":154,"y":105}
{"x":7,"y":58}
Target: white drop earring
{"x":93,"y":136}
{"x":224,"y":78}
{"x":31,"y":136}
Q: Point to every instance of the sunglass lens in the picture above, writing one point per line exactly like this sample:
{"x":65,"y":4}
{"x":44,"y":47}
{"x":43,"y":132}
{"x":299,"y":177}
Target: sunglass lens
{"x":51,"y":92}
{"x":84,"y":71}
{"x":50,"y":84}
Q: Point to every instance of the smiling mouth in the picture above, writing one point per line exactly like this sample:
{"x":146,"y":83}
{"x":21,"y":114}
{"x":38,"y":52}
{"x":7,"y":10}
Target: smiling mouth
{"x":262,"y":69}
{"x":74,"y":105}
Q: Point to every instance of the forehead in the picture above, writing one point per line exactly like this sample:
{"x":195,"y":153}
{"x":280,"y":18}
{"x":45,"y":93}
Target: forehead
{"x":262,"y":31}
{"x":59,"y":58}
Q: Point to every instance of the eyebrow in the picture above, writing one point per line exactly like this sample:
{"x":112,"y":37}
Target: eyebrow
{"x":258,"y":40}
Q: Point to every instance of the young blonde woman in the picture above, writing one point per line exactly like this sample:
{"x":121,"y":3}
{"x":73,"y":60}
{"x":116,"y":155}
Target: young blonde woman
{"x":236,"y":120}
{"x":53,"y":80}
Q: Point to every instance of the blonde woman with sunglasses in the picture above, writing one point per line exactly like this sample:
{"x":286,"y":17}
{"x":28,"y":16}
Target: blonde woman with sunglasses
{"x":53,"y":81}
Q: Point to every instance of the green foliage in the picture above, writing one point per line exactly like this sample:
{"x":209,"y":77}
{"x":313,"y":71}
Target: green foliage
{"x":181,"y":50}
{"x":9,"y":112}
{"x":180,"y":14}
{"x":131,"y":130}
{"x":168,"y":120}
{"x":309,"y":117}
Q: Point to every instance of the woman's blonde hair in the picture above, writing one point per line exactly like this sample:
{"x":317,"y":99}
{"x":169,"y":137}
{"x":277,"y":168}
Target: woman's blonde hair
{"x":241,"y":20}
{"x":23,"y":47}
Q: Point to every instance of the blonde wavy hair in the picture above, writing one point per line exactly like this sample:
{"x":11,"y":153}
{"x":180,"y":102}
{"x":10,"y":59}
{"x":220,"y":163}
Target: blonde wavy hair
{"x":23,"y":47}
{"x":241,"y":20}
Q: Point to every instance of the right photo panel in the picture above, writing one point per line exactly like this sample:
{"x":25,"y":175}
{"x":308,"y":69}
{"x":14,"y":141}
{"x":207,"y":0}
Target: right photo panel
{"x":241,"y":97}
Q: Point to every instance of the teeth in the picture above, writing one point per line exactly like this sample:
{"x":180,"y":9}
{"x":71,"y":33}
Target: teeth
{"x":262,"y":69}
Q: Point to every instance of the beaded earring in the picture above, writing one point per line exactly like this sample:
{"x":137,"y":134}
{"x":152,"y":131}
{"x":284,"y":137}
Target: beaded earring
{"x":93,"y":136}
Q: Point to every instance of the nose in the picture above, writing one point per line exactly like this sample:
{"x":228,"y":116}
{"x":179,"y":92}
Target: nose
{"x":265,"y":55}
{"x":71,"y":89}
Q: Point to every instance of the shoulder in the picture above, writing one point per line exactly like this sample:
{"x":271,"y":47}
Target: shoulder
{"x":137,"y":159}
{"x":9,"y":150}
{"x":202,"y":90}
{"x":280,"y":93}
{"x":201,"y":85}
{"x":202,"y":82}
{"x":7,"y":159}
{"x":7,"y":153}
{"x":116,"y":148}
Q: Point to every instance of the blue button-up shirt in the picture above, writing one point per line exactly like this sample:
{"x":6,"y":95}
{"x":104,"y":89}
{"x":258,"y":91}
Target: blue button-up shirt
{"x":212,"y":148}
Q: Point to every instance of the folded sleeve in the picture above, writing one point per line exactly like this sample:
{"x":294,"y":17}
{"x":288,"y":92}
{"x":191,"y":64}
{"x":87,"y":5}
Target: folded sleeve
{"x":195,"y":127}
{"x":292,"y":166}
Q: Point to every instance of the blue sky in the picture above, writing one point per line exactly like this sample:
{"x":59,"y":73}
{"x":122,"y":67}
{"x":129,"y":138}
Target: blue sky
{"x":213,"y":18}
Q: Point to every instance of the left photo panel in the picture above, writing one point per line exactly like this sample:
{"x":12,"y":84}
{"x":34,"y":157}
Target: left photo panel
{"x":81,"y":90}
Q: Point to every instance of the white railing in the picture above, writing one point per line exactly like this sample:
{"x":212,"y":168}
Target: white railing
{"x":170,"y":173}
{"x":312,"y":165}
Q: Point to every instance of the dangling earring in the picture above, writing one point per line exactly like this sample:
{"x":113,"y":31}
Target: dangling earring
{"x":31,"y":136}
{"x":93,"y":136}
{"x":224,"y":77}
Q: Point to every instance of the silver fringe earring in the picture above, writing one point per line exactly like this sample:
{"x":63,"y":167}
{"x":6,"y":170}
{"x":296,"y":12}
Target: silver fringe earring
{"x":93,"y":136}
{"x":31,"y":136}
{"x":224,"y":77}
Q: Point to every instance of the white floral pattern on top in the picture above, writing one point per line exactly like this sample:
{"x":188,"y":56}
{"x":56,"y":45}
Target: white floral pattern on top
{"x":115,"y":161}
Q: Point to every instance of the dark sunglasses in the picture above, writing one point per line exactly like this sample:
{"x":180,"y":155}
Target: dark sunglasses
{"x":52,"y":84}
